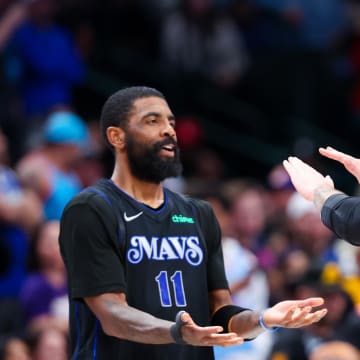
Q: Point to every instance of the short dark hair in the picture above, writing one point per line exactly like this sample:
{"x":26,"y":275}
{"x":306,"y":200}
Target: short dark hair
{"x":117,"y":107}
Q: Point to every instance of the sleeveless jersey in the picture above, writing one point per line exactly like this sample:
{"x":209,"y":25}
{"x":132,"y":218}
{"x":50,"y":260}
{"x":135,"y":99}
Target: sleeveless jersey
{"x":164,"y":260}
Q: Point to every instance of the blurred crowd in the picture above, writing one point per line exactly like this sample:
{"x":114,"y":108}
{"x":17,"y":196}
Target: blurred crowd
{"x":275,"y":246}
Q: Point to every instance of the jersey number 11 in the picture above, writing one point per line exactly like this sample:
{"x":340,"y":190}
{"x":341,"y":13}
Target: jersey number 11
{"x":164,"y":290}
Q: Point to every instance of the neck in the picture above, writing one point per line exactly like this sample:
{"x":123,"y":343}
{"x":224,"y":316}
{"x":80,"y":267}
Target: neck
{"x":148,"y":193}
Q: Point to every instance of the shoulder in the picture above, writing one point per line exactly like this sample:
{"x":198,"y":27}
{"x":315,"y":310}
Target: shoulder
{"x":90,"y":197}
{"x":174,"y":196}
{"x":200,"y":206}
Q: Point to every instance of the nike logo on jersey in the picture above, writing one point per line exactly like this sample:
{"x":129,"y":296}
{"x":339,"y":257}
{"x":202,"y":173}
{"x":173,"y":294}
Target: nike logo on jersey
{"x":131,"y":218}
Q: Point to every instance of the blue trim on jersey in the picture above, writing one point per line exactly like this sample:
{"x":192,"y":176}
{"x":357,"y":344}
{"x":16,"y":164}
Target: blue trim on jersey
{"x":99,"y":193}
{"x":162,"y":208}
{"x":96,"y":333}
{"x":78,"y":330}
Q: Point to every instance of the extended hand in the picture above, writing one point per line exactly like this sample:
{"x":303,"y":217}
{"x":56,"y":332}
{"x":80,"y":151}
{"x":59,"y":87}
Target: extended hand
{"x":208,"y":335}
{"x":305,"y":178}
{"x":350,"y":163}
{"x":294,"y":313}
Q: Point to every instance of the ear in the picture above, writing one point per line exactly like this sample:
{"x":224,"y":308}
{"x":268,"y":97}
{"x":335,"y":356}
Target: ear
{"x":116,"y":137}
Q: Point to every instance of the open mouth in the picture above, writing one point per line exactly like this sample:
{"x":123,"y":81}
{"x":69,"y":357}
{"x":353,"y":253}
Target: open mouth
{"x":168,"y":149}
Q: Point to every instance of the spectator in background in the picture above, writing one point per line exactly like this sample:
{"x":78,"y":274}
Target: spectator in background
{"x":308,"y":232}
{"x":198,"y":40}
{"x":15,"y":348}
{"x":20,"y":213}
{"x":350,"y":49}
{"x":47,"y":64}
{"x":280,"y":190}
{"x":13,"y":15}
{"x":335,"y":350}
{"x":44,"y":293}
{"x":242,"y":271}
{"x":50,"y":169}
{"x":318,"y":22}
{"x":48,"y":343}
{"x":342,"y":324}
{"x":247,"y":198}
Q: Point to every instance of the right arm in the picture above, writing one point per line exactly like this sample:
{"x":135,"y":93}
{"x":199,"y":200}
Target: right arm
{"x":126,"y":322}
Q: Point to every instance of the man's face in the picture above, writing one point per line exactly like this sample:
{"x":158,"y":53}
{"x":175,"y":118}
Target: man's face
{"x":150,"y":141}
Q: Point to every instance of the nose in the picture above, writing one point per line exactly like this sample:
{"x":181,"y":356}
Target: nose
{"x":168,"y":130}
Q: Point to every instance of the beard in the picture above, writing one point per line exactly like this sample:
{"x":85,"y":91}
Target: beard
{"x":146,"y":164}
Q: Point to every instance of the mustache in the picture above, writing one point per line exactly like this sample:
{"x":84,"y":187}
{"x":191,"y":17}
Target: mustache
{"x":169,"y":141}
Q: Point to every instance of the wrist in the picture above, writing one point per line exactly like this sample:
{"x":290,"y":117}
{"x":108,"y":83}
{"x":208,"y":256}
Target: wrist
{"x":263,"y":324}
{"x":175,"y":329}
{"x":322,"y":193}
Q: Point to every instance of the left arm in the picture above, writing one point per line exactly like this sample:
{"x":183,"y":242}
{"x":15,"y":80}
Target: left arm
{"x":288,"y":314}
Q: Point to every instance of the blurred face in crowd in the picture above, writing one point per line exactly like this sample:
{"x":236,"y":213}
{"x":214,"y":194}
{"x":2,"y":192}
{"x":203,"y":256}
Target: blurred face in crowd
{"x":48,"y":249}
{"x":51,"y":345}
{"x":248,"y":214}
{"x":336,"y":350}
{"x":311,"y":233}
{"x":16,"y":349}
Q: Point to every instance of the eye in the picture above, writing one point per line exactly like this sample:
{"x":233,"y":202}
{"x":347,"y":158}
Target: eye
{"x":152,"y":121}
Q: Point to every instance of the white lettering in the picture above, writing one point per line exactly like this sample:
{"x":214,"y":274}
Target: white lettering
{"x":166,"y":248}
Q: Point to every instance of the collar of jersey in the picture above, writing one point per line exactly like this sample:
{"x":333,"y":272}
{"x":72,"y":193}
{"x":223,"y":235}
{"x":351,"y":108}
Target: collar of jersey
{"x":149,"y":210}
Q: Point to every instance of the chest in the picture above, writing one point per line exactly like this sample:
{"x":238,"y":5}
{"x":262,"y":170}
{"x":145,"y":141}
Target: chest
{"x":169,"y":236}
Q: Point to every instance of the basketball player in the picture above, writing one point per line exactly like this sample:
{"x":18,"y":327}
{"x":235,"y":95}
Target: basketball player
{"x":140,"y":256}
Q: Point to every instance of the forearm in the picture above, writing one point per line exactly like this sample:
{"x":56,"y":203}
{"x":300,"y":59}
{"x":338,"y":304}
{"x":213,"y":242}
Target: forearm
{"x":246,"y":324}
{"x":128,"y":323}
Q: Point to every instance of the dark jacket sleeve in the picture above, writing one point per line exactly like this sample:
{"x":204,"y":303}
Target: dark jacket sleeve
{"x":341,"y":214}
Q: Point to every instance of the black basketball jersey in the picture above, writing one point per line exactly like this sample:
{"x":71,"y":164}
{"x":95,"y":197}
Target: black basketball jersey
{"x":164,"y":260}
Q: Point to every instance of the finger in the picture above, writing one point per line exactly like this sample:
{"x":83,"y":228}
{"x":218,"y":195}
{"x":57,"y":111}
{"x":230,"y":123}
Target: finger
{"x":228,"y":339}
{"x":314,"y":301}
{"x":186,"y":318}
{"x":333,"y":154}
{"x":209,"y":330}
{"x":311,"y":318}
{"x":297,"y":164}
{"x":288,"y":316}
{"x":292,"y":166}
{"x":299,"y":316}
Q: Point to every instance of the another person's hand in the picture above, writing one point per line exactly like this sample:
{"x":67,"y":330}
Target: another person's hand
{"x":350,"y":163}
{"x":208,"y":335}
{"x":294,"y":313}
{"x":305,"y":178}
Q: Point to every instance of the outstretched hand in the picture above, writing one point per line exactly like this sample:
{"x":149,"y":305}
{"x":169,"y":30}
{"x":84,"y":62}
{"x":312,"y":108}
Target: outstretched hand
{"x":350,"y":163}
{"x":305,"y":178}
{"x":294,"y":313}
{"x":207,"y":335}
